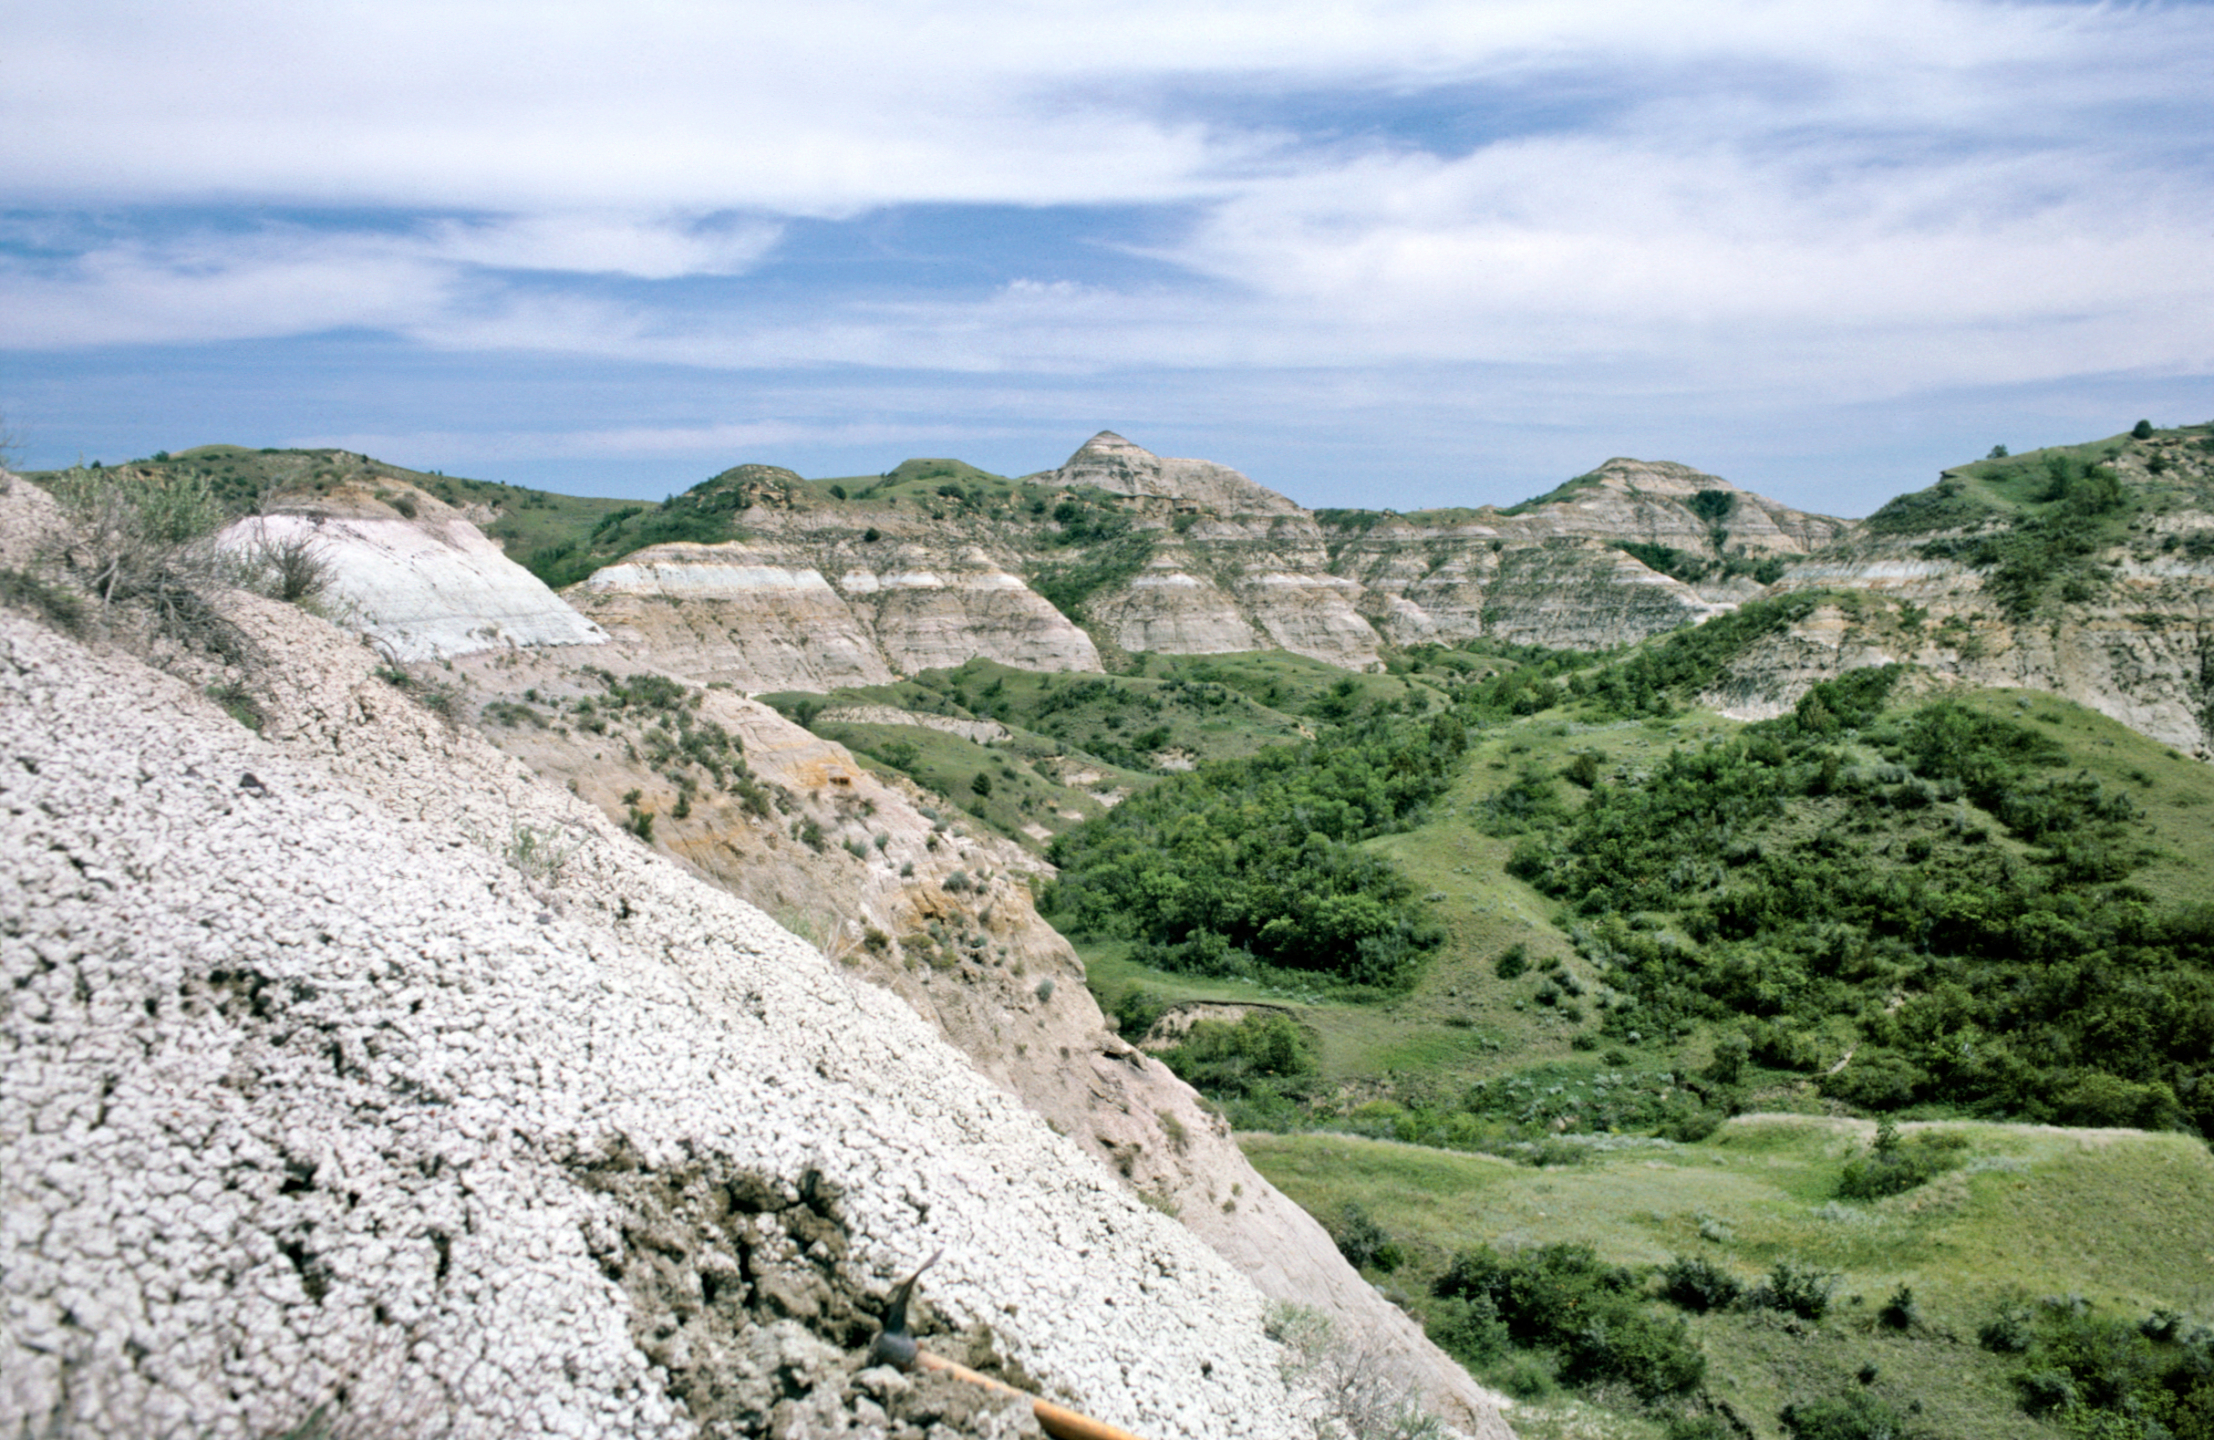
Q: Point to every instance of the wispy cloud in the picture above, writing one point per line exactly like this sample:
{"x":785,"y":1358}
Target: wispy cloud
{"x":1742,"y":203}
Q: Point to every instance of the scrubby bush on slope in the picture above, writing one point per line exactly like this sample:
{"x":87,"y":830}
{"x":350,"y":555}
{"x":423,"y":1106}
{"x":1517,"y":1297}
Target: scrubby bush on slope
{"x":1803,"y":883}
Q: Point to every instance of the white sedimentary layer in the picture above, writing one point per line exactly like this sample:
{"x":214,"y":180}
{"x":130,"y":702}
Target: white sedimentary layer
{"x":301,"y":1084}
{"x":426,"y":588}
{"x":750,"y":614}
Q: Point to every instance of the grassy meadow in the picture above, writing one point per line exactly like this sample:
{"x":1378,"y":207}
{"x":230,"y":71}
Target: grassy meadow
{"x":2123,"y":1219}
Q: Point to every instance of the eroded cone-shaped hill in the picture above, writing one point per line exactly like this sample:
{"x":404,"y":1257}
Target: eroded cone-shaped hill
{"x":1110,"y":463}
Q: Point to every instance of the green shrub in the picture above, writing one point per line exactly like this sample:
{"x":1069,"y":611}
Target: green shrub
{"x":1136,"y":1012}
{"x":1796,"y":1289}
{"x":1512,"y":961}
{"x":1699,"y":1285}
{"x":2007,"y":1333}
{"x":1467,"y":1329}
{"x":56,"y":605}
{"x":2046,"y":1389}
{"x":1654,"y":1357}
{"x":1856,"y":1415}
{"x":1363,"y":1242}
{"x":1706,"y":1425}
{"x":1728,"y":1065}
{"x":2105,"y":1376}
{"x":239,"y":703}
{"x":1891,"y":1167}
{"x":1562,"y":1297}
{"x":1526,"y":1377}
{"x":140,"y":543}
{"x":1237,"y":1058}
{"x":1712,"y":506}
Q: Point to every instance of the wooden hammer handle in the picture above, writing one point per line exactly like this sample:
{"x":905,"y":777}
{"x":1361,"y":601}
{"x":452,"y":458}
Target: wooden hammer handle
{"x":1058,"y":1421}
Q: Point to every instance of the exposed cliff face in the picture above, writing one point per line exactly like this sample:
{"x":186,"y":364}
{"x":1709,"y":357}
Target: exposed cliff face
{"x":2113,"y":608}
{"x":1463,"y":581}
{"x":1168,"y":608}
{"x":1658,"y":502}
{"x":808,"y":602}
{"x":738,"y":614}
{"x":1549,"y":572}
{"x":2144,"y":658}
{"x":418,"y":576}
{"x":781,"y":613}
{"x":1240,"y":588}
{"x":1195,"y":558}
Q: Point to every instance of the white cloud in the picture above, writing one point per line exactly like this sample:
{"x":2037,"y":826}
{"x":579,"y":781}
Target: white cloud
{"x":836,"y":106}
{"x":289,"y":279}
{"x":216,"y":289}
{"x":677,"y":442}
{"x":1844,"y":201}
{"x":602,"y":244}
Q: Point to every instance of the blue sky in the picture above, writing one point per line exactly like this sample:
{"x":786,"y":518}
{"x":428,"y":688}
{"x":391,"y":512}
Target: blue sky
{"x":1393,"y":254}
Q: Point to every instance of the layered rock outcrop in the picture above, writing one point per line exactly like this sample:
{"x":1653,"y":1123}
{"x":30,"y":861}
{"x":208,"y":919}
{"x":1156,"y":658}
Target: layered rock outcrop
{"x":1200,"y":560}
{"x":1551,"y":571}
{"x":2142,"y":655}
{"x":1110,"y":463}
{"x":778,"y":613}
{"x":423,"y":581}
{"x":1658,"y":502}
{"x":2133,"y":638}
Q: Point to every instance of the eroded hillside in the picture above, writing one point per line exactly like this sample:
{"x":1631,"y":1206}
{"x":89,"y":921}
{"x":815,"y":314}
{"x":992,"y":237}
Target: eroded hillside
{"x":2085,"y":571}
{"x":940,"y":916}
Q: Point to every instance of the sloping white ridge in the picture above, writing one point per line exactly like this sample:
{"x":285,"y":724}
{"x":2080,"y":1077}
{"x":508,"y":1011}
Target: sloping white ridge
{"x":427,"y":588}
{"x":298,"y":1081}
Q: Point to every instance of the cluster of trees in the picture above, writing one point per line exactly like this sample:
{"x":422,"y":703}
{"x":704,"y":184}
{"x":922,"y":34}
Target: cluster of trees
{"x":1769,"y":877}
{"x":706,"y":514}
{"x":2093,"y":1374}
{"x":1692,"y":568}
{"x":1255,"y":863}
{"x":1562,"y":1298}
{"x":1115,"y":553}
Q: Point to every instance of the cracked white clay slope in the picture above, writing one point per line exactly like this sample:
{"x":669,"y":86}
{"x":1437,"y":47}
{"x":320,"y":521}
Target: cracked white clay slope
{"x":295,"y":1089}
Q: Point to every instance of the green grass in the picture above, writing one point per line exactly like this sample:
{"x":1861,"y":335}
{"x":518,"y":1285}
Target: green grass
{"x":2177,"y":793}
{"x":2121,"y":1218}
{"x":1026,"y":794}
{"x":1191,"y":709}
{"x":522,"y":519}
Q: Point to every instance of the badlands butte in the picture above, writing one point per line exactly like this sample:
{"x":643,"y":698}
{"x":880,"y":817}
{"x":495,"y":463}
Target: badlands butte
{"x":558,"y":979}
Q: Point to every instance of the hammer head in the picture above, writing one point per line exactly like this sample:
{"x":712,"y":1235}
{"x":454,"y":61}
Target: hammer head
{"x":895,"y":1345}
